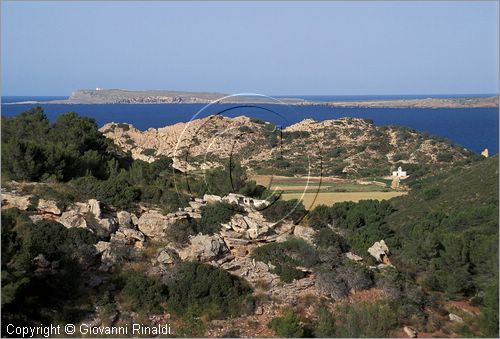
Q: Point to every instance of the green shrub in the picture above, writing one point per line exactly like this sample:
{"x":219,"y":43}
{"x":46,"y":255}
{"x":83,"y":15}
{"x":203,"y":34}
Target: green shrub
{"x":327,"y":238}
{"x":369,"y":320}
{"x":286,"y":256}
{"x":287,"y":326}
{"x":205,"y":289}
{"x":445,"y":157}
{"x":123,"y":126}
{"x":489,"y":311}
{"x":180,"y":231}
{"x":213,"y":215}
{"x":325,"y":325}
{"x":34,"y":150}
{"x":118,"y":192}
{"x":222,"y":181}
{"x":148,"y":152}
{"x":44,"y":295}
{"x":142,"y":293}
{"x":431,"y":193}
{"x":251,"y":189}
{"x":289,"y":209}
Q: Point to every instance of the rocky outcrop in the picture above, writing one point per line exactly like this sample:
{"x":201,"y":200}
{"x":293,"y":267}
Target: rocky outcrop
{"x":12,"y":200}
{"x":167,"y":256}
{"x":204,"y":248}
{"x":353,"y":257}
{"x":410,"y":332}
{"x":94,"y":207}
{"x":211,"y":199}
{"x":306,"y":139}
{"x":455,"y":318}
{"x":306,"y":233}
{"x":124,"y":219}
{"x":249,"y":269}
{"x":154,"y":224}
{"x":131,"y":234}
{"x":48,"y":206}
{"x":72,"y":219}
{"x":379,"y":251}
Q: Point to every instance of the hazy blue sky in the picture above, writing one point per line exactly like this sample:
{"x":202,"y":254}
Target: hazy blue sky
{"x":52,"y":48}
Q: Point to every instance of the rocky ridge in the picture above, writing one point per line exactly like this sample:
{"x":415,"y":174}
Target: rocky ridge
{"x":346,"y":145}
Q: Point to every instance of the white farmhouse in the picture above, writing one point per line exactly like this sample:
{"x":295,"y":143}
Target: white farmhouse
{"x":399,"y":173}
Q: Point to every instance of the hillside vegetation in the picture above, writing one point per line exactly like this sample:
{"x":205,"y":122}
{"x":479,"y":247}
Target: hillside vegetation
{"x":344,"y":147}
{"x":443,"y":238}
{"x":155,"y":244}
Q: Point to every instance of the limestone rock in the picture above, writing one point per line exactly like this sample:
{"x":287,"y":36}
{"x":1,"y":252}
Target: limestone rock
{"x":134,"y":219}
{"x":210,"y":198}
{"x":132,"y":234}
{"x":238,"y":222}
{"x":254,"y":233}
{"x":72,"y":219}
{"x":95,"y":208}
{"x":108,"y":225}
{"x":204,"y":248}
{"x":41,"y":261}
{"x":102,"y":246}
{"x":167,"y":256}
{"x":250,"y":270}
{"x":251,"y":223}
{"x":12,"y":200}
{"x":353,"y":256}
{"x":410,"y":332}
{"x":153,"y":224}
{"x":455,"y":318}
{"x":306,"y":233}
{"x":379,"y":251}
{"x":36,"y":218}
{"x":124,"y":219}
{"x":48,"y":206}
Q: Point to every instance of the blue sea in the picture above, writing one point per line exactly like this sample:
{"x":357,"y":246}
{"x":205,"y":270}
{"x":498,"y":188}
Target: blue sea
{"x":472,"y":128}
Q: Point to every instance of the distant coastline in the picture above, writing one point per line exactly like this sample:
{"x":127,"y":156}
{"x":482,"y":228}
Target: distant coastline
{"x":118,"y":96}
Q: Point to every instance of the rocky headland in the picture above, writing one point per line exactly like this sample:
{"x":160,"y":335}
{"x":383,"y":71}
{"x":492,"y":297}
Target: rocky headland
{"x":121,"y":96}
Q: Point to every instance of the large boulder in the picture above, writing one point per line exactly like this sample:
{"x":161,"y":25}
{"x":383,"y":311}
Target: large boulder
{"x":306,"y":233}
{"x":204,"y":248}
{"x":132,"y":234}
{"x":102,"y":227}
{"x":210,"y":198}
{"x":124,"y":219}
{"x":11,"y":200}
{"x":72,"y":219}
{"x":254,"y":233}
{"x":153,"y":224}
{"x":455,"y":318}
{"x":48,"y":206}
{"x":379,"y":251}
{"x":94,"y":207}
{"x":102,"y":246}
{"x":410,"y":332}
{"x":167,"y":256}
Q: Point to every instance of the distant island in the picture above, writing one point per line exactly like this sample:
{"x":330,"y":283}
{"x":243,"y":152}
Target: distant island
{"x":120,"y":96}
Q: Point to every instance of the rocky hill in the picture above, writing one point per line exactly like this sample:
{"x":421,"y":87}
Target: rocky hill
{"x":332,"y":147}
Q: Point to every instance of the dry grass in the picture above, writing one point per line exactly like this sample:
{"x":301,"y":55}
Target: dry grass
{"x":311,"y":200}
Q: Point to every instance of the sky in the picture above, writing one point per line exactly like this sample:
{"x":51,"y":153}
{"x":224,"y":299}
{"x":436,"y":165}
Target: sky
{"x":277,"y":48}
